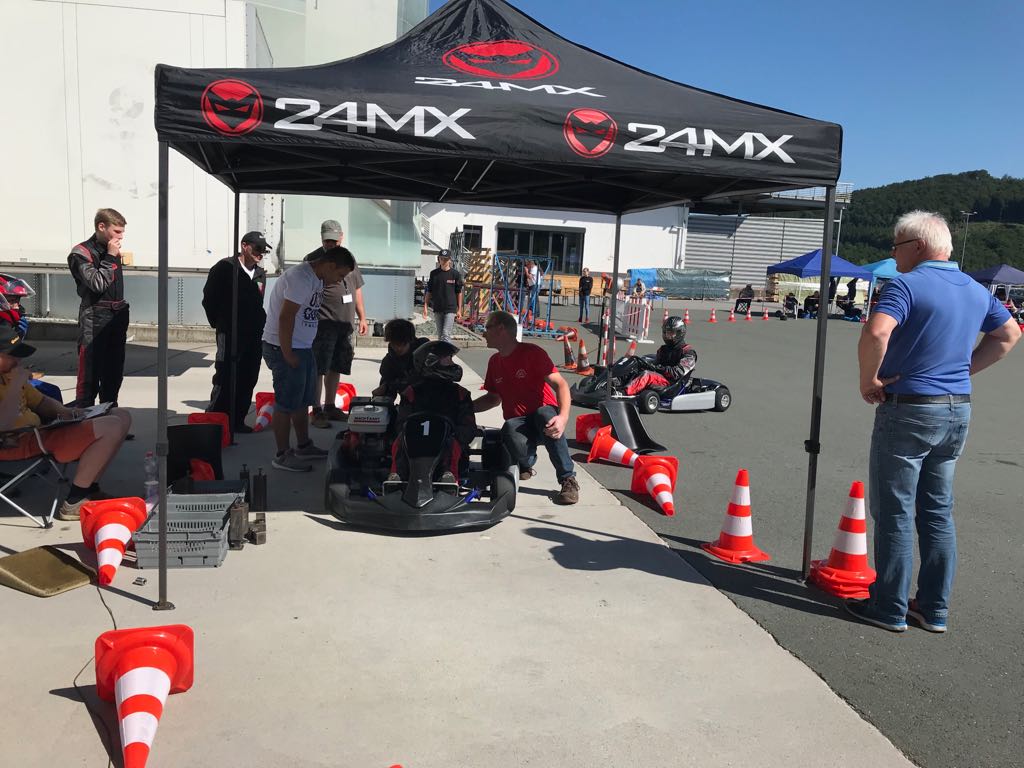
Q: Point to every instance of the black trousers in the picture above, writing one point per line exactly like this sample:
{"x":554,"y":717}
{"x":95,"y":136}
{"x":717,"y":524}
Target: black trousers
{"x":247,"y":372}
{"x":103,"y":333}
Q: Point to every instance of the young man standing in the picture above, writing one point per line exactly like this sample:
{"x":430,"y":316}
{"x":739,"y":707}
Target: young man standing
{"x":95,"y":265}
{"x":586,"y":287}
{"x":444,"y":295}
{"x":246,"y":328}
{"x":292,"y":319}
{"x":521,"y":377}
{"x":332,"y":347}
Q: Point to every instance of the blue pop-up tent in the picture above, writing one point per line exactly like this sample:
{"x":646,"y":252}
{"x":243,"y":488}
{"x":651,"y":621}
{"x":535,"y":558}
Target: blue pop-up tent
{"x":1001,"y":274}
{"x":809,"y":265}
{"x":882,"y":270}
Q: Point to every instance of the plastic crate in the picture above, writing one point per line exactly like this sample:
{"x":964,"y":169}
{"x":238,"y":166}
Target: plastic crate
{"x":202,"y":514}
{"x":182,"y":551}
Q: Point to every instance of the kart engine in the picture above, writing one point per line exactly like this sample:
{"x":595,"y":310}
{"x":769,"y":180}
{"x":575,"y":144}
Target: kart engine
{"x":369,"y":424}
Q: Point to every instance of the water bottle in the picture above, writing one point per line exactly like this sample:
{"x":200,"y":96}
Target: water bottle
{"x":152,"y":492}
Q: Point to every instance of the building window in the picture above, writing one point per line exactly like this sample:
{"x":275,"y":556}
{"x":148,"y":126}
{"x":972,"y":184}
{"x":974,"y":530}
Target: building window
{"x":563,"y":248}
{"x":472,"y":237}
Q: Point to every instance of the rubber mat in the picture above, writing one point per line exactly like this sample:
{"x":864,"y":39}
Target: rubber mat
{"x":43,"y":572}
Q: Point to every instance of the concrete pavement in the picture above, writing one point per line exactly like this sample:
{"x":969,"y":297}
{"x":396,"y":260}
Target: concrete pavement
{"x":564,"y":635}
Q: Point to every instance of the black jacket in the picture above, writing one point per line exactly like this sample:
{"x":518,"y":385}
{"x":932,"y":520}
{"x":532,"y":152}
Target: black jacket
{"x":676,"y":361}
{"x":98,"y":275}
{"x":586,"y":285}
{"x":396,"y":370}
{"x":444,"y":288}
{"x":217,"y":298}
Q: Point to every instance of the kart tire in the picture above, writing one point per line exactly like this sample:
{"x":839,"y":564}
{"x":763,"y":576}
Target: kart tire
{"x":723,"y":399}
{"x":648,"y":401}
{"x":503,"y":484}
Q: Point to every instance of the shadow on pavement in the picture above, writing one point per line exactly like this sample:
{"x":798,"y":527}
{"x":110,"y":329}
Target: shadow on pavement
{"x":103,"y":716}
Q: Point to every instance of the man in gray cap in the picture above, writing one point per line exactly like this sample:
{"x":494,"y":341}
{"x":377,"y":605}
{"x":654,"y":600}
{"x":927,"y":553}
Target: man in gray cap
{"x":332,"y":348}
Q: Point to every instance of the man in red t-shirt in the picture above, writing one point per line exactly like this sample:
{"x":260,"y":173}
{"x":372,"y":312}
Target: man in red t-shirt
{"x":534,"y":400}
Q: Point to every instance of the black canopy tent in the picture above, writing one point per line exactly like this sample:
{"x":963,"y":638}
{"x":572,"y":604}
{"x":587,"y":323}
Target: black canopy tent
{"x":480,"y":104}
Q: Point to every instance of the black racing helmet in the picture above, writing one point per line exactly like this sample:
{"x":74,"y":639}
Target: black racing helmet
{"x":426,"y":362}
{"x":673,"y":330}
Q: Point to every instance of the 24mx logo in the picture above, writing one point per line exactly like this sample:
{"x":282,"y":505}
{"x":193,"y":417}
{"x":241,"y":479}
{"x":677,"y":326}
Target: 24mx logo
{"x":426,"y":122}
{"x":657,"y":139}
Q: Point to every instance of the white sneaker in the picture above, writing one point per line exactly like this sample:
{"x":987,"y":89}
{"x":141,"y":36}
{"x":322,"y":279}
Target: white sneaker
{"x":289,"y":462}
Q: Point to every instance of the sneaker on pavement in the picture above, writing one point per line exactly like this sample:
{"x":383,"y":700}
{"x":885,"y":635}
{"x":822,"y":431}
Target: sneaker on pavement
{"x":320,"y":420}
{"x":70,"y":510}
{"x":289,"y":462}
{"x":933,"y":625}
{"x":335,"y":414}
{"x":309,"y":451}
{"x":570,"y":492}
{"x":526,"y":474}
{"x":862,"y":610}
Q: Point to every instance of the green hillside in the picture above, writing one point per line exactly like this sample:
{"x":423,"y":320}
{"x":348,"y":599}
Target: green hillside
{"x":995,"y":235}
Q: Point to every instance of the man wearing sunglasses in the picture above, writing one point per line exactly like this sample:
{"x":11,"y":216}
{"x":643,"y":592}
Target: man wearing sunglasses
{"x":917,"y":353}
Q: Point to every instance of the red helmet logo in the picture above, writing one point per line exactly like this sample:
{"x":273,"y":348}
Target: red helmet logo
{"x":590,"y":132}
{"x":232,"y":107}
{"x":505,"y":59}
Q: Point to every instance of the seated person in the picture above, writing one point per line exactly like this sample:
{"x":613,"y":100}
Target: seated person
{"x":674,"y":362}
{"x":396,"y":367}
{"x":744,"y":299}
{"x":790,"y":304}
{"x":434,"y":390}
{"x":811,"y":304}
{"x":639,"y":288}
{"x":93,"y":443}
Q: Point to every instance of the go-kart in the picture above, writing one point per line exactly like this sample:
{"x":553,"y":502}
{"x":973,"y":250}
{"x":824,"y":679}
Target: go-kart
{"x":358,"y":492}
{"x":691,"y":395}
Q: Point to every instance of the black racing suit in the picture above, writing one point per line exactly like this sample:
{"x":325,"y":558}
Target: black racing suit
{"x":676,"y":361}
{"x":251,"y":319}
{"x":396,"y":371}
{"x":102,"y":322}
{"x":439,"y":398}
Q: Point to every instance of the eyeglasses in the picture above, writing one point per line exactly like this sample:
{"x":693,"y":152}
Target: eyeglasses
{"x":903,"y":242}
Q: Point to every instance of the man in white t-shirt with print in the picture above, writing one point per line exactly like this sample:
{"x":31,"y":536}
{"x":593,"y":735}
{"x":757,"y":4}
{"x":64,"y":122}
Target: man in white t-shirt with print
{"x":292,"y":318}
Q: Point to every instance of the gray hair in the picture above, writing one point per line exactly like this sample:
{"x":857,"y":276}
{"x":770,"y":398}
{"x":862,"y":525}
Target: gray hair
{"x":505,"y":319}
{"x":929,"y":228}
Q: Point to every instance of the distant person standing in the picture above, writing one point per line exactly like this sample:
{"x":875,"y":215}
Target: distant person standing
{"x":293,"y":314}
{"x":917,"y":353}
{"x":244,"y":331}
{"x":332,"y":348}
{"x":95,"y":265}
{"x":586,"y":288}
{"x":444,"y":295}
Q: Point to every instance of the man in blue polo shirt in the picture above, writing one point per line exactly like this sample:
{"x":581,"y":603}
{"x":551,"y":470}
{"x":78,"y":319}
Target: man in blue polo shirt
{"x":917,"y":354}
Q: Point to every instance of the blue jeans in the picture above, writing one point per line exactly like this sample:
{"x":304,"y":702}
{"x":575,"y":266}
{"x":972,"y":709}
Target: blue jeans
{"x":522,"y":435}
{"x":914,"y":449}
{"x":294,"y":388}
{"x":584,"y":308}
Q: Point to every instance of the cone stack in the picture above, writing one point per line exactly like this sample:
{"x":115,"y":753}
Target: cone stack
{"x":736,"y":544}
{"x":107,"y":527}
{"x":846,"y":573}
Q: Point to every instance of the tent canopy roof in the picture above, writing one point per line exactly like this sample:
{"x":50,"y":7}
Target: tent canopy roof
{"x":809,"y":265}
{"x":1001,"y":274}
{"x":481,"y":104}
{"x":884,"y":269}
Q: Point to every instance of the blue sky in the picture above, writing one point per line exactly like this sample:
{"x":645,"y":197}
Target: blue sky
{"x":920,"y":87}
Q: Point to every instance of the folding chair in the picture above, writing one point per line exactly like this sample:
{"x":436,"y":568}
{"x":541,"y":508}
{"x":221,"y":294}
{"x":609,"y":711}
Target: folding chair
{"x":39,"y":466}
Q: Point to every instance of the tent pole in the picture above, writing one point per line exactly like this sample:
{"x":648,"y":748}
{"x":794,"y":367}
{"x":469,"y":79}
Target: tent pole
{"x":812,"y":446}
{"x":161,"y":389}
{"x":615,"y":293}
{"x":233,"y":389}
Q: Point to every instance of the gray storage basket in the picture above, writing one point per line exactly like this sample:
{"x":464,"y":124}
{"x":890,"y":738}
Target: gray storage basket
{"x":201,"y":515}
{"x":183,"y":550}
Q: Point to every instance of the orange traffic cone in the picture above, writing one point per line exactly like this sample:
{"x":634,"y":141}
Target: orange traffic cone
{"x":764,"y":316}
{"x":567,"y":356}
{"x":748,"y":318}
{"x":263,"y":398}
{"x":583,"y":367}
{"x":631,"y":352}
{"x":344,"y":395}
{"x":587,"y":425}
{"x":609,"y":449}
{"x":107,"y":527}
{"x":686,"y":316}
{"x":214,"y":417}
{"x":846,"y":572}
{"x":656,"y":475}
{"x":136,"y":669}
{"x":732,"y":315}
{"x":712,"y":318}
{"x":736,"y":544}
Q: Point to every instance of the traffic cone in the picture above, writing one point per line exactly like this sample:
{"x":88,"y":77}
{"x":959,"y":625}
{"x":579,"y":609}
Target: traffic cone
{"x":736,"y":544}
{"x":665,"y":316}
{"x":609,"y":449}
{"x":846,"y":572}
{"x":214,"y":417}
{"x":686,"y":316}
{"x":712,"y":318}
{"x":656,"y":475}
{"x":764,"y":316}
{"x":732,"y":315}
{"x":263,"y":417}
{"x":748,"y":318}
{"x":587,"y":425}
{"x":583,"y":367}
{"x":570,"y":361}
{"x":631,"y":352}
{"x":262,"y":398}
{"x":344,"y":395}
{"x":137,"y":669}
{"x":107,"y":527}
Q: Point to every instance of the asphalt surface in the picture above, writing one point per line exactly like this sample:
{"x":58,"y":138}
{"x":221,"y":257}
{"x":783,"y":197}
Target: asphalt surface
{"x":947,"y":701}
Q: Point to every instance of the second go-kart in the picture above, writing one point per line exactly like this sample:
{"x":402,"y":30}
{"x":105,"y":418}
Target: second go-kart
{"x":358,"y":490}
{"x":695,"y":394}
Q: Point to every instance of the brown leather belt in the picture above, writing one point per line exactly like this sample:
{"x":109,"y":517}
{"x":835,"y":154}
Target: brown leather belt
{"x":930,"y":399}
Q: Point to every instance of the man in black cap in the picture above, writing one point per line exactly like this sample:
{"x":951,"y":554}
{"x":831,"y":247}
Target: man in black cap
{"x":218,"y":301}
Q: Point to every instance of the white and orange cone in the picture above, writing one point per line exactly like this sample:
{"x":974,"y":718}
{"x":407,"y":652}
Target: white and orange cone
{"x":569,"y":360}
{"x":587,"y":425}
{"x":732,"y":315}
{"x":764,"y":315}
{"x":735,"y":543}
{"x":656,"y":476}
{"x":846,"y":573}
{"x":607,"y":448}
{"x":748,"y":318}
{"x":631,"y":352}
{"x":263,"y":417}
{"x":137,"y":669}
{"x":712,"y":319}
{"x":343,"y":396}
{"x":107,"y":527}
{"x":583,"y":367}
{"x":686,"y":316}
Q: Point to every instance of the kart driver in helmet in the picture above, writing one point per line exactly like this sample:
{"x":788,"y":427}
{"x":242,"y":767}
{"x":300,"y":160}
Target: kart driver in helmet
{"x":435,"y":390}
{"x":674,"y":362}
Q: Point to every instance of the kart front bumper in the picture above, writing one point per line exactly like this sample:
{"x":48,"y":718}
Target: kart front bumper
{"x":445,"y":512}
